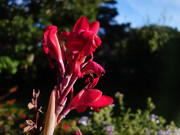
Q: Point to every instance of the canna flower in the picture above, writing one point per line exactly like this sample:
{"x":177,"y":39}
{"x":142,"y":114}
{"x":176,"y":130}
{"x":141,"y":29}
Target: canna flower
{"x":83,"y":39}
{"x":92,"y":98}
{"x":80,"y":43}
{"x":93,"y":67}
{"x":51,"y":44}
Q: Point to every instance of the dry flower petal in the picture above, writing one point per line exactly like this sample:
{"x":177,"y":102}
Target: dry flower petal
{"x":30,"y":122}
{"x":28,"y":128}
{"x":30,"y":106}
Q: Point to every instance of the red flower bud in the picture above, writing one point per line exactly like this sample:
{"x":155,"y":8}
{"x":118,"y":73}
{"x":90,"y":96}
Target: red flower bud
{"x":93,"y":67}
{"x":13,"y":90}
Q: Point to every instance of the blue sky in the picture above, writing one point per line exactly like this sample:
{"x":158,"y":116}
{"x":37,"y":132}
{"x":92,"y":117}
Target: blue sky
{"x":145,"y":12}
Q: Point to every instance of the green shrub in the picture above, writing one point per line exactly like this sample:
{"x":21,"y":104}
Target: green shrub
{"x":106,"y":122}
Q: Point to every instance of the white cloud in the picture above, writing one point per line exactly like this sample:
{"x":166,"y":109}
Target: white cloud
{"x":141,"y":12}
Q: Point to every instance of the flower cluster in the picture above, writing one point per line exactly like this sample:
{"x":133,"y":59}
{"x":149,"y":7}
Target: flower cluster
{"x":70,"y":51}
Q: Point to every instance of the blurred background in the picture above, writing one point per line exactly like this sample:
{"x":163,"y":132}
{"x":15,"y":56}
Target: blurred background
{"x":139,"y":51}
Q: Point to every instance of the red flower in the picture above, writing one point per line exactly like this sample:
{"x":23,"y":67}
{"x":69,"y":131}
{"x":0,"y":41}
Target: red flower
{"x":80,"y":43}
{"x":22,"y":125}
{"x":7,"y":114}
{"x":24,"y":116}
{"x":65,"y":126}
{"x":13,"y":101}
{"x":8,"y":102}
{"x":90,"y":98}
{"x":83,"y":39}
{"x":13,"y":90}
{"x":93,"y":67}
{"x":51,"y":44}
{"x":14,"y":111}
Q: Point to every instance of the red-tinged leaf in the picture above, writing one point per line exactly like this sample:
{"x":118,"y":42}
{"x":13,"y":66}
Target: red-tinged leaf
{"x":101,"y":102}
{"x":90,"y":96}
{"x":94,"y":27}
{"x":82,"y":23}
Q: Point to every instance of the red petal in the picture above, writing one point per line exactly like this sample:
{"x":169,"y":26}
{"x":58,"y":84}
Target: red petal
{"x":77,"y":69}
{"x":95,"y":109}
{"x":81,"y":109}
{"x":63,"y":35}
{"x":93,"y":67}
{"x":46,"y":49}
{"x":97,"y":40}
{"x":101,"y":102}
{"x":95,"y":81}
{"x":90,"y":96}
{"x":53,"y":39}
{"x":75,"y":101}
{"x":50,"y":62}
{"x":82,"y":23}
{"x":94,"y":27}
{"x":49,"y":28}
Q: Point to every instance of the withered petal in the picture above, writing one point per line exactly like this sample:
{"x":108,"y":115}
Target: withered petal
{"x":28,"y":128}
{"x":30,"y":122}
{"x":30,"y":106}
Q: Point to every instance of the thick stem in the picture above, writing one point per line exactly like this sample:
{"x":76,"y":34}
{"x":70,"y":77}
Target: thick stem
{"x":63,"y":114}
{"x":65,"y":82}
{"x":59,"y":83}
{"x":51,"y":118}
{"x":59,"y":107}
{"x":67,"y":90}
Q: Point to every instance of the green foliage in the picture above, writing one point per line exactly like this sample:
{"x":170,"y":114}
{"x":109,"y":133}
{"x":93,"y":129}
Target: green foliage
{"x":11,"y":118}
{"x":126,"y":122}
{"x":6,"y":63}
{"x":122,"y":122}
{"x":21,"y":24}
{"x":156,"y":37}
{"x":116,"y":120}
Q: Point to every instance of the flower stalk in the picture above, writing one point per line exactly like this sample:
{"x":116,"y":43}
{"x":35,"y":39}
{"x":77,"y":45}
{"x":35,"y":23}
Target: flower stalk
{"x":71,"y":65}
